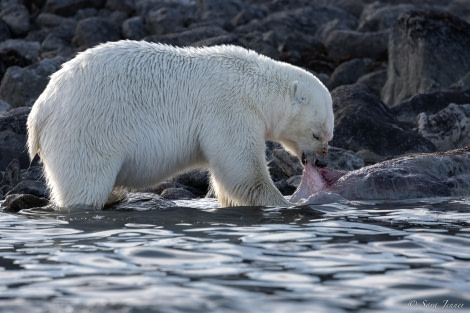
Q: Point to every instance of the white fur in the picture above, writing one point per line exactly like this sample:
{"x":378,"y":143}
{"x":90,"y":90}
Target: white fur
{"x":132,"y":114}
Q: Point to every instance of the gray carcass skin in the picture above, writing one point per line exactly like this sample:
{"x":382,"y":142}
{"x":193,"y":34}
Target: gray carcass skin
{"x":440,"y":174}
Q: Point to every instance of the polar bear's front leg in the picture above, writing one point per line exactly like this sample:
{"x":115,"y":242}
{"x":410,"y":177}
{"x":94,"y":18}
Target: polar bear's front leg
{"x":246,"y":184}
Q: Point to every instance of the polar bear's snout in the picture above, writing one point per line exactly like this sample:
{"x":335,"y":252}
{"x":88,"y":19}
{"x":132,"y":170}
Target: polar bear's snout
{"x":314,"y":159}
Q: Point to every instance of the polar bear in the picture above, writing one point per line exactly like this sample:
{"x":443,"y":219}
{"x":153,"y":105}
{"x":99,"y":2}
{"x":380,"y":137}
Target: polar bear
{"x":132,"y":114}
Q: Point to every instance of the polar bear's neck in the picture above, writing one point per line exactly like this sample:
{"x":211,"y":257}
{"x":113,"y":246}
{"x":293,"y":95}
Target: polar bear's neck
{"x":275,"y":104}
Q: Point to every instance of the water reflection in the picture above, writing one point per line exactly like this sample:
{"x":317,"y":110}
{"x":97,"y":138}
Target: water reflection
{"x":359,"y":256}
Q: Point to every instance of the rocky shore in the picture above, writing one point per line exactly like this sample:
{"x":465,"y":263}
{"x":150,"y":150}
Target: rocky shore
{"x":398,"y":70}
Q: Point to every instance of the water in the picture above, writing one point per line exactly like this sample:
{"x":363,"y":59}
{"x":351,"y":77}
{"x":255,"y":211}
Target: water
{"x":409,"y":256}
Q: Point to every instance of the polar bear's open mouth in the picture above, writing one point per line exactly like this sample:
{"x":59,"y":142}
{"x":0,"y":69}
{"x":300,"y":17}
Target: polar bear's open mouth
{"x":314,"y":179}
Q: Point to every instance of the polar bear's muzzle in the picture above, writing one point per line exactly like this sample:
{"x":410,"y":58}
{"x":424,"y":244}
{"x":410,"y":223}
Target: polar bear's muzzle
{"x":312,"y":158}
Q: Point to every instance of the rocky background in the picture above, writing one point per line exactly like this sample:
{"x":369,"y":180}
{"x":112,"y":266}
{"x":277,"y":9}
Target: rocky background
{"x":398,"y":70}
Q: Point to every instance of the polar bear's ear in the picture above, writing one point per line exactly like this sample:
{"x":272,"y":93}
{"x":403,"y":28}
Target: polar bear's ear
{"x":296,"y":95}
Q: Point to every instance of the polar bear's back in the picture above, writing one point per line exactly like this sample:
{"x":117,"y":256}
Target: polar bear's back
{"x":151,"y":75}
{"x":137,"y":102}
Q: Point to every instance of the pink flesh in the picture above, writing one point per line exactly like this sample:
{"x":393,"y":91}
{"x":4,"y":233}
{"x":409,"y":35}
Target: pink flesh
{"x":314,"y":180}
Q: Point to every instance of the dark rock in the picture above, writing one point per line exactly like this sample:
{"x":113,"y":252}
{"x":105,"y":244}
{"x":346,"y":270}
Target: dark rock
{"x":229,"y":13}
{"x":341,"y":159}
{"x":164,"y":20}
{"x":218,"y":40}
{"x":133,"y":28}
{"x":174,"y":184}
{"x":66,"y":30}
{"x":375,"y":81}
{"x":16,"y":16}
{"x":70,"y":7}
{"x":13,"y":137}
{"x":324,"y":30}
{"x":164,"y":185}
{"x":116,"y":17}
{"x":54,"y":46}
{"x":177,"y":194}
{"x":349,"y":72}
{"x":287,"y":187}
{"x":462,"y":84}
{"x":427,"y":51}
{"x":305,"y":50}
{"x":95,"y":30}
{"x":26,"y":50}
{"x":347,"y":44}
{"x":264,"y":43}
{"x":58,"y":29}
{"x":362,"y":121}
{"x":31,"y":187}
{"x":189,"y":9}
{"x":121,"y":5}
{"x":448,"y":129}
{"x":33,"y":172}
{"x":429,"y":103}
{"x":4,"y":31}
{"x":460,"y":8}
{"x":196,"y":181}
{"x":50,"y":20}
{"x":142,"y":201}
{"x":241,"y":18}
{"x":284,"y":165}
{"x":187,"y":37}
{"x":305,"y":20}
{"x":4,"y":106}
{"x":379,"y":16}
{"x":18,"y":202}
{"x":22,"y":86}
{"x":11,"y":176}
{"x":86,"y":13}
{"x":370,"y":157}
{"x":298,"y":42}
{"x":354,"y":8}
{"x":11,"y":57}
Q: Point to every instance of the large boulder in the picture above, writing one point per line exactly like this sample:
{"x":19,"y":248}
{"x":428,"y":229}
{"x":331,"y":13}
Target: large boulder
{"x":449,"y":128}
{"x":428,"y":103}
{"x":363,"y":122}
{"x":427,"y":51}
{"x":347,"y":44}
{"x":349,"y":72}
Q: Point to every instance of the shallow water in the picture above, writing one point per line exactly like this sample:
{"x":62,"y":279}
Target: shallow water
{"x":409,"y":256}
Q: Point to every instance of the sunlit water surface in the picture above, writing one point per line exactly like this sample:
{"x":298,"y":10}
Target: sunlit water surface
{"x":409,"y":256}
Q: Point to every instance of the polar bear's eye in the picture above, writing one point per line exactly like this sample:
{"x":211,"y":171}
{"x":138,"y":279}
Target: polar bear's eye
{"x":316,"y":137}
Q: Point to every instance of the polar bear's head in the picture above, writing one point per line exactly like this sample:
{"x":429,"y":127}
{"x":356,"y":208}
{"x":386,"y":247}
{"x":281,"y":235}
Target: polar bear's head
{"x":310,"y":124}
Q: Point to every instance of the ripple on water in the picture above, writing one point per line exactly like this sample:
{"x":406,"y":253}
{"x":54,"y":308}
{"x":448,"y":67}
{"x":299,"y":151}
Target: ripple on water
{"x":357,"y":257}
{"x":174,"y":258}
